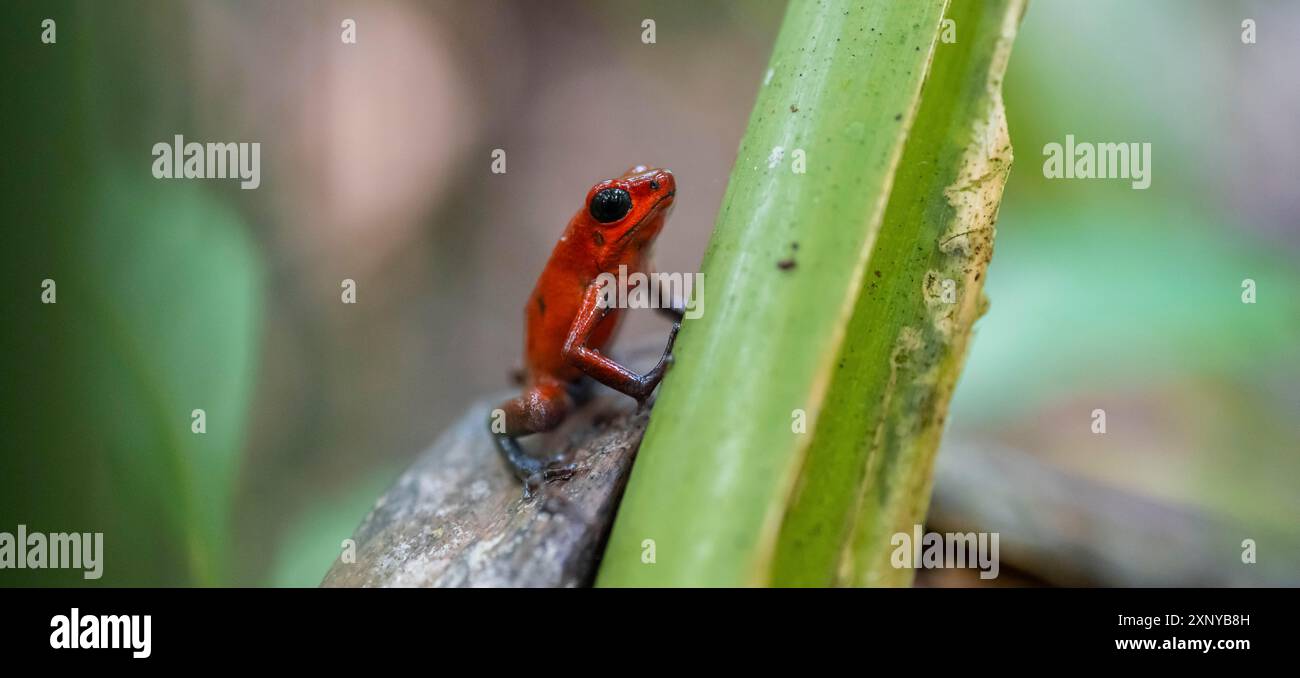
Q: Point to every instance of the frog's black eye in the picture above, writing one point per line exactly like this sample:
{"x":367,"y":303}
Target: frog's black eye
{"x":610,"y":205}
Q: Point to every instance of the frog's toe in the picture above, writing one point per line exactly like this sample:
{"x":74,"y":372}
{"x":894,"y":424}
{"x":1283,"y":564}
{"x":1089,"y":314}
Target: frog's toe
{"x":559,"y":471}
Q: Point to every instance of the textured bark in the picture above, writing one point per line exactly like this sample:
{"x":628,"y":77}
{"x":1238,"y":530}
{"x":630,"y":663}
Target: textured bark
{"x":457,"y":517}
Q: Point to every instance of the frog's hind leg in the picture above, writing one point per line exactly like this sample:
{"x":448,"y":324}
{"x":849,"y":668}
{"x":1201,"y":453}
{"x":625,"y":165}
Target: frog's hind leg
{"x":539,"y":409}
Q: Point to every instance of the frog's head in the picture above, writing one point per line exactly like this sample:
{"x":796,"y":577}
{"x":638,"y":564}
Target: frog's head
{"x":627,"y":213}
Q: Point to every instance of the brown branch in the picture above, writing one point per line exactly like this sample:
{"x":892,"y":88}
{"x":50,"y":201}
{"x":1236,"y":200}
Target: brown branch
{"x":457,"y":517}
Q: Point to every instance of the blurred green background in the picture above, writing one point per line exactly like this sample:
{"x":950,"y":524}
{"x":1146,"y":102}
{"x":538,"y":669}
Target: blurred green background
{"x":176,"y":295}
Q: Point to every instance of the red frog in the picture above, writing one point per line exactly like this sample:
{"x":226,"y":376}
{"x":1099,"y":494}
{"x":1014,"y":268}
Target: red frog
{"x":567,"y":324}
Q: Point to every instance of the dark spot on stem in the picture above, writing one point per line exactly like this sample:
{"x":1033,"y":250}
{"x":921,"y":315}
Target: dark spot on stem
{"x":785,"y":264}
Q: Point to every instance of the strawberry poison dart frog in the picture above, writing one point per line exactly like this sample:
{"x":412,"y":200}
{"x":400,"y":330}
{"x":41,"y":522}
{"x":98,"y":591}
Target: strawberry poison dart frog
{"x":568,"y":326}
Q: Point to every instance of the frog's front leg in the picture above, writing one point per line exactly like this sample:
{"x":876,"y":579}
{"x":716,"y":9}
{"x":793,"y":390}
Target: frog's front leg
{"x":539,"y":409}
{"x":599,"y":366}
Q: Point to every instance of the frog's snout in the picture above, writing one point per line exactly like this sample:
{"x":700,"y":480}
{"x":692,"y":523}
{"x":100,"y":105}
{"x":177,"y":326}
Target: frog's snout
{"x":663,"y":183}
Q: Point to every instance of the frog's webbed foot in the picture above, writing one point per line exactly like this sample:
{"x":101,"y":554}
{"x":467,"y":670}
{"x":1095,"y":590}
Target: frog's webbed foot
{"x":552,"y":472}
{"x":530,"y":470}
{"x":559,"y":470}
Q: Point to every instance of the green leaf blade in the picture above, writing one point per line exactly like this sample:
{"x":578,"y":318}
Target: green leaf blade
{"x":867,"y":475}
{"x":720,"y":457}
